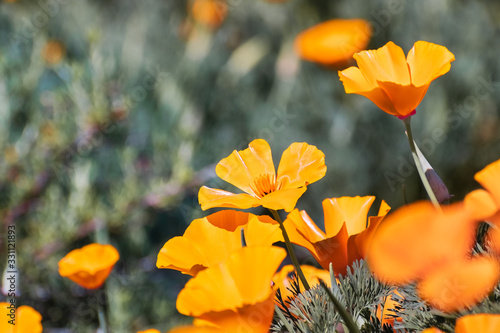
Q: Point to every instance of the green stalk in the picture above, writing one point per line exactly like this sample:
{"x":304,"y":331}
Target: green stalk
{"x":283,"y":319}
{"x":290,"y":250}
{"x":102,"y":318}
{"x":348,"y":321}
{"x":418,"y":164}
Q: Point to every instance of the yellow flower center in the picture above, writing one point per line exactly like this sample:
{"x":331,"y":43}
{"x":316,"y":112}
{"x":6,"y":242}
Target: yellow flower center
{"x":265,"y":184}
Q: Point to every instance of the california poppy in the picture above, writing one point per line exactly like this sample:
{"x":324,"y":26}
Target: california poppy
{"x":89,"y":266}
{"x":394,"y":83}
{"x":482,"y":322}
{"x":209,"y":13}
{"x":53,"y":52}
{"x":333,"y":42}
{"x":210,"y":240}
{"x":26,"y":319}
{"x":252,"y":171}
{"x":348,"y":232}
{"x":236,"y":294}
{"x":283,"y":279}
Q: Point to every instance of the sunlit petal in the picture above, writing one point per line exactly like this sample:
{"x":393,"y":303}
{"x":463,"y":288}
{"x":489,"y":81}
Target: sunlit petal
{"x":489,"y":178}
{"x":26,"y":319}
{"x":211,"y":198}
{"x":404,"y":99}
{"x":304,"y":225}
{"x":480,"y":204}
{"x":243,"y":167}
{"x":301,"y":164}
{"x":283,"y":279}
{"x":428,"y":61}
{"x":352,"y":211}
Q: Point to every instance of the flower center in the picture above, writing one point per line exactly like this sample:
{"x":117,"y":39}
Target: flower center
{"x":265,"y":184}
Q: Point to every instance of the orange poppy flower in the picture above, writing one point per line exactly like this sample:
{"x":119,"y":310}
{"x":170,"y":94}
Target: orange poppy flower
{"x":483,"y":322}
{"x":282,"y":280}
{"x":347,"y":231}
{"x":333,"y":42}
{"x":210,"y":13}
{"x":151,"y":330}
{"x":24,"y":319}
{"x":417,"y":238}
{"x":394,"y":83}
{"x":210,"y":240}
{"x":53,"y":52}
{"x":89,"y":266}
{"x":196,"y":329}
{"x":460,"y":284}
{"x":235,"y":295}
{"x":252,"y":171}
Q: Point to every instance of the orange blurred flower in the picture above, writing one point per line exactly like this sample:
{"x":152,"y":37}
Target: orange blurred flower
{"x":394,"y":83}
{"x":252,"y":171}
{"x":283,"y":279}
{"x":53,"y":52}
{"x":210,"y":240}
{"x":333,"y":42}
{"x":210,"y":13}
{"x":420,"y":243}
{"x":24,"y":319}
{"x":196,"y":329}
{"x":484,"y":323}
{"x":89,"y":266}
{"x":235,"y":295}
{"x":151,"y":330}
{"x":348,"y":232}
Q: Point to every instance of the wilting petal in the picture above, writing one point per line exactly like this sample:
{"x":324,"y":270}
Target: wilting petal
{"x":386,"y":64}
{"x":483,"y":322}
{"x":89,"y":266}
{"x":480,"y":204}
{"x":243,"y":279}
{"x":489,"y":178}
{"x":404,"y":99}
{"x":211,"y":198}
{"x":27,"y":319}
{"x":212,"y":239}
{"x":301,"y":164}
{"x":285,"y":199}
{"x":461,"y":284}
{"x":333,"y":42}
{"x":352,"y":211}
{"x":243,"y":167}
{"x":428,"y":61}
{"x":417,"y":238}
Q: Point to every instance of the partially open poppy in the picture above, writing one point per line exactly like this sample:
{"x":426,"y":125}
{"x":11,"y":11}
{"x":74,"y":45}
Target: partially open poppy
{"x":252,"y":171}
{"x":210,"y":240}
{"x":348,"y":232}
{"x":333,"y":42}
{"x":283,"y":279}
{"x":483,"y":322}
{"x":394,"y":83}
{"x":89,"y":266}
{"x":235,"y":295}
{"x":24,"y":319}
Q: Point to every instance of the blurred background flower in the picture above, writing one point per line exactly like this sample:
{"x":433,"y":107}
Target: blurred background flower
{"x":110,"y":140}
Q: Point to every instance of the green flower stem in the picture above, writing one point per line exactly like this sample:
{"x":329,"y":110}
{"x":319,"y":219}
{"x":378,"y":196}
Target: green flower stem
{"x":348,"y":321}
{"x":283,"y":319}
{"x":418,"y":164}
{"x":290,"y":250}
{"x":102,"y":318}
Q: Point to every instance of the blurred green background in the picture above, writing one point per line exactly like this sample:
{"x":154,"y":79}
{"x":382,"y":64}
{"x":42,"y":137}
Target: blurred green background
{"x":114,"y":113}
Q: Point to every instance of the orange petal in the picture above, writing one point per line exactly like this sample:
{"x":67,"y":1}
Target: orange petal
{"x":389,"y":309}
{"x":196,"y":329}
{"x":433,"y":330}
{"x":89,"y":266}
{"x":493,"y":235}
{"x":285,"y":199}
{"x":489,"y":178}
{"x":243,"y":167}
{"x":283,"y":279}
{"x":244,"y":278}
{"x":484,"y":323}
{"x":386,"y":64}
{"x":417,"y":238}
{"x":301,"y":164}
{"x":211,"y":198}
{"x":352,"y":211}
{"x":384,"y":209}
{"x":210,"y":13}
{"x":461,"y":284}
{"x":230,"y":220}
{"x":27,"y":319}
{"x":480,"y":204}
{"x":259,"y":233}
{"x":151,"y":330}
{"x":305,"y":226}
{"x":333,"y":42}
{"x":404,"y":99}
{"x":358,"y":244}
{"x":428,"y":61}
{"x":333,"y":250}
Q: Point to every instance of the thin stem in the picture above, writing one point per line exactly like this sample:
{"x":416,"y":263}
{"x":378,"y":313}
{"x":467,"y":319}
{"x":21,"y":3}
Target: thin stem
{"x":290,"y":250}
{"x":283,"y":319}
{"x":102,"y":318}
{"x":348,"y":321}
{"x":418,"y":164}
